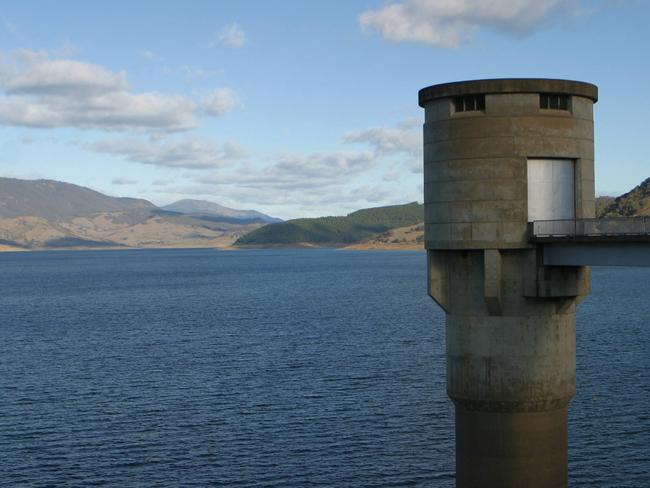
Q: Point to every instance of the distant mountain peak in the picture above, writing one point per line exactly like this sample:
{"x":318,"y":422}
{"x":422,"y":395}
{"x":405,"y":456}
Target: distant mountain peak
{"x":191,"y":206}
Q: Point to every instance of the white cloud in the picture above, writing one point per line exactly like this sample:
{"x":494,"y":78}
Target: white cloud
{"x":46,"y":93}
{"x":62,"y":77}
{"x":403,"y":141}
{"x":294,"y":184}
{"x":123,"y":181}
{"x":321,"y":168}
{"x":317,"y":183}
{"x":387,"y":141}
{"x":291,"y":177}
{"x":308,"y":184}
{"x":220,"y":102}
{"x":115,"y":111}
{"x":449,"y":23}
{"x":190,"y":153}
{"x":297,"y":172}
{"x":232,"y":36}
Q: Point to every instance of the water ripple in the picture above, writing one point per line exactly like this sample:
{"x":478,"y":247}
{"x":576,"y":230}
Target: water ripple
{"x":272,"y":369}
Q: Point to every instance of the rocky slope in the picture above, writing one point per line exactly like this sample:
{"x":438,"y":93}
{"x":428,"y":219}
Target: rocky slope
{"x":410,"y":237}
{"x":636,"y":202}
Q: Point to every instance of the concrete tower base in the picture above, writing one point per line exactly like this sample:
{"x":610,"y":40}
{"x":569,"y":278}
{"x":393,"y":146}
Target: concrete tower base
{"x":499,"y":154}
{"x":511,"y":379}
{"x":511,"y":449}
{"x":510,"y":366}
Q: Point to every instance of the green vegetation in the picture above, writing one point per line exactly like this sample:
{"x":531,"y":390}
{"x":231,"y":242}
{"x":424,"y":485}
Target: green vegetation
{"x":336,"y":230}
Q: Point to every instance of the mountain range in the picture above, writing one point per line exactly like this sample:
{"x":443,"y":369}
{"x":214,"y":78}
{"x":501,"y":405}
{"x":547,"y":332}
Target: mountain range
{"x":203,"y":208}
{"x":45,"y":214}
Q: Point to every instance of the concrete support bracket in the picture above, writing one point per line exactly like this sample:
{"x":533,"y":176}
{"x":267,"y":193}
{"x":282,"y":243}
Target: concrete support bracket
{"x":492,"y":281}
{"x":541,"y":281}
{"x":438,"y":278}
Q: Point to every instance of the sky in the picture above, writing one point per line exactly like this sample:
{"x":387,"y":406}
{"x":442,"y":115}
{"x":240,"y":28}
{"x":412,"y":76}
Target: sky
{"x":293,"y":108}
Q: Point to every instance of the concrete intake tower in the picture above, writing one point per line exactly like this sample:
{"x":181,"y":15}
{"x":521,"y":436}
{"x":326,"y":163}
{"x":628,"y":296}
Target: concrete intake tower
{"x":499,"y":155}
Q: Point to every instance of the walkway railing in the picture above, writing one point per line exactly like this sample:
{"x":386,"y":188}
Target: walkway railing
{"x":592,"y":228}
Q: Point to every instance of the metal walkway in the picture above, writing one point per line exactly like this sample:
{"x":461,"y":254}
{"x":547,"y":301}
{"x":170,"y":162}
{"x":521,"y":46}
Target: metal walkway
{"x":627,"y":228}
{"x":593,"y":242}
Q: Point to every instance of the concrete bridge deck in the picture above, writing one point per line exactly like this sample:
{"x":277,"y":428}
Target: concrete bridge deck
{"x":621,"y":241}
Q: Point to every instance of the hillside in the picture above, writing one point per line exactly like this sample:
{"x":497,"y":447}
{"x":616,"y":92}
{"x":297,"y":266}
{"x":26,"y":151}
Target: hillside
{"x":602,"y":203}
{"x":633,"y":203}
{"x":113,"y":230}
{"x":45,"y":214}
{"x":203,"y":208}
{"x":55,"y":200}
{"x":410,"y":237}
{"x":333,"y":231}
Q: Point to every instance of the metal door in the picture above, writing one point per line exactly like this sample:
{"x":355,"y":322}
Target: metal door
{"x":551,"y":189}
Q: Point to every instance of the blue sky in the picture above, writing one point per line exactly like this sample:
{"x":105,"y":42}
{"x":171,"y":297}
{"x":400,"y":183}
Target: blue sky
{"x":293,"y":108}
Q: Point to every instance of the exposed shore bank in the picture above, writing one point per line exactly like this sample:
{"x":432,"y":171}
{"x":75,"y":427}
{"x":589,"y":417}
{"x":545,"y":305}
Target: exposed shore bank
{"x":352,"y":247}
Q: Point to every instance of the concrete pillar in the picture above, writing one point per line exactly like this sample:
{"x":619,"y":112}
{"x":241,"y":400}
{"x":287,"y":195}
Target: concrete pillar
{"x":510,"y":322}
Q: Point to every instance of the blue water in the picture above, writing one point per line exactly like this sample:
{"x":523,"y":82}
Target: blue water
{"x":273,"y":368}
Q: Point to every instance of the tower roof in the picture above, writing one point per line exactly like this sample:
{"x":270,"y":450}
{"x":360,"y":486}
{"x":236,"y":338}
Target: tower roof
{"x":508,"y":85}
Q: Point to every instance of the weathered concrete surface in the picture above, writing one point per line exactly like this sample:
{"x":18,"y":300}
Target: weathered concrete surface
{"x":510,"y":368}
{"x":522,"y":449}
{"x":509,"y":86}
{"x":510,"y":320}
{"x":475,"y":162}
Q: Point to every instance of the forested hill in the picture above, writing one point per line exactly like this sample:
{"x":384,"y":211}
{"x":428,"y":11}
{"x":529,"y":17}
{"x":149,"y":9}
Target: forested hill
{"x":332,"y":231}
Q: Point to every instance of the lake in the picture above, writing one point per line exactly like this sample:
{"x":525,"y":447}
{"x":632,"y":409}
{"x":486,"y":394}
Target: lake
{"x":273,"y":368}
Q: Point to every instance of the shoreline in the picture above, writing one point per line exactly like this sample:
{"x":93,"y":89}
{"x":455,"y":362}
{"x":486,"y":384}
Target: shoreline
{"x":4,"y":248}
{"x":383,"y":247}
{"x":342,"y":247}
